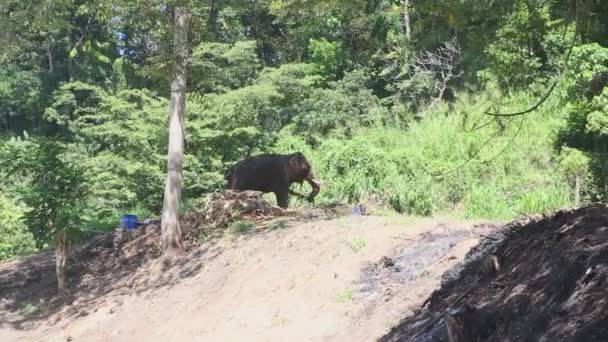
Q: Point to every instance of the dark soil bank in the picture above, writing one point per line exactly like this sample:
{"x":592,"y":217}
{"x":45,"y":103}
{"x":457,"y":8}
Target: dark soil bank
{"x":543,"y":279}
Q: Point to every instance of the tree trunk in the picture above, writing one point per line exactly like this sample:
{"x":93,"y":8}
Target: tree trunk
{"x":577,"y":191}
{"x":62,"y":251}
{"x":405,"y":16}
{"x":49,"y":53}
{"x":171,"y":235}
{"x":214,"y":11}
{"x":70,"y":62}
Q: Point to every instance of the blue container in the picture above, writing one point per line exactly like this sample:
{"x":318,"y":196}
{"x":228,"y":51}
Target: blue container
{"x":129,"y":222}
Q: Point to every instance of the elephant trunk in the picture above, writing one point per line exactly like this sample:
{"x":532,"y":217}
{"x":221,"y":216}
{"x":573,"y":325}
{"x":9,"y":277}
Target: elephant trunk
{"x":315,"y":184}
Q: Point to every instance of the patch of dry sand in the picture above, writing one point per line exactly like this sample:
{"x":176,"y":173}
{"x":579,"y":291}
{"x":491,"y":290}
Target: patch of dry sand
{"x":316,"y":281}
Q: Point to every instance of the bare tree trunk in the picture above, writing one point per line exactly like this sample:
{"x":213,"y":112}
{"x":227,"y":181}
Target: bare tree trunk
{"x":214,"y":11}
{"x":62,"y":251}
{"x":49,"y":53}
{"x":70,"y":62}
{"x":405,"y":16}
{"x":171,"y":235}
{"x":577,"y":191}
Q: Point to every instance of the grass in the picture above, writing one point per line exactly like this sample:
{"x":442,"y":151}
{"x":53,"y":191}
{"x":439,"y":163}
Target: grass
{"x":277,"y":224}
{"x":203,"y":236}
{"x":442,"y":165}
{"x":30,"y":308}
{"x":346,"y":296}
{"x":278,"y":321}
{"x":356,"y":245}
{"x":241,"y":227}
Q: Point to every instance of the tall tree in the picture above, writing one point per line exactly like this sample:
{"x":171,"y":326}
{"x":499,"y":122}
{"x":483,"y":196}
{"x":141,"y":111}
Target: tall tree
{"x":52,"y":184}
{"x":405,"y":14}
{"x":171,"y":235}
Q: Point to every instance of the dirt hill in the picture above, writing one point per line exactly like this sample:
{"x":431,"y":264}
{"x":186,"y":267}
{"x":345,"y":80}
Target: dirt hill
{"x":315,"y":278}
{"x":534,"y":280}
{"x":324,"y":275}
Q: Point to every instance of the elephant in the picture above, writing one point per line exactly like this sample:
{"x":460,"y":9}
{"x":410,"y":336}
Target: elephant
{"x":272,"y":173}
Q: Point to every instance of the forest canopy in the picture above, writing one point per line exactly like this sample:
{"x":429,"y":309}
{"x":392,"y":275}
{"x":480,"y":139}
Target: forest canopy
{"x":388,"y":99}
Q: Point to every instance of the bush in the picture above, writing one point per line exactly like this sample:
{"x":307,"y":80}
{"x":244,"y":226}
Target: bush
{"x":436,"y":166}
{"x":15,"y":239}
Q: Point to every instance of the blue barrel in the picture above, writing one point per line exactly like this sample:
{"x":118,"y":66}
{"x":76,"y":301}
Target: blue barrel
{"x":129,"y":222}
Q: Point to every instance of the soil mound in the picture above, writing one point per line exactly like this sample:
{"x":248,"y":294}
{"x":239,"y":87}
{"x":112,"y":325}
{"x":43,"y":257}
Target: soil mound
{"x":539,"y":279}
{"x":120,"y":261}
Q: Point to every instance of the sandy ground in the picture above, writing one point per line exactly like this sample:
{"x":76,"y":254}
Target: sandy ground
{"x":316,"y":281}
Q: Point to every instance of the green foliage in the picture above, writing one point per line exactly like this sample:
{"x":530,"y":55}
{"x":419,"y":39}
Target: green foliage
{"x":355,"y":167}
{"x":346,"y":296}
{"x":435,"y":166}
{"x":575,"y":166}
{"x":15,"y":239}
{"x":119,"y":74}
{"x":586,"y":76}
{"x":73,"y":102}
{"x":327,"y":57}
{"x":85,"y":87}
{"x":550,"y":198}
{"x":341,"y":107}
{"x":111,"y":128}
{"x":277,"y":224}
{"x":30,"y":308}
{"x":597,"y":120}
{"x":584,"y":97}
{"x":20,"y":97}
{"x":523,"y":52}
{"x":217,"y":67}
{"x":51,"y":184}
{"x":356,"y":245}
{"x":573,"y":163}
{"x":486,"y":201}
{"x":241,"y":227}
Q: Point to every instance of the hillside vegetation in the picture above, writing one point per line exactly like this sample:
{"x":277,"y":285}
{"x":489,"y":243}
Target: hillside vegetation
{"x":388,"y":99}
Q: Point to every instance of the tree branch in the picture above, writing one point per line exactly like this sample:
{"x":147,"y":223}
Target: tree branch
{"x":439,"y":65}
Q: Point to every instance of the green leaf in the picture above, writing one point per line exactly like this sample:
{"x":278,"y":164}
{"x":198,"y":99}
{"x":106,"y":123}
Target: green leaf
{"x":73,"y":52}
{"x":101,"y":57}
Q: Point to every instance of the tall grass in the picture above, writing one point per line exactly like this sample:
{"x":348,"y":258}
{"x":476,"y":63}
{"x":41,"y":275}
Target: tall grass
{"x":443,"y":163}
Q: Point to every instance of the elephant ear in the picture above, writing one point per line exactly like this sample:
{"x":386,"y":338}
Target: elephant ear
{"x":298,"y":167}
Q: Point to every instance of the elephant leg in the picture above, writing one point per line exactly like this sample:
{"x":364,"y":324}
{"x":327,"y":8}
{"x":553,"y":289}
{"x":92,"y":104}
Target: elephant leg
{"x":282,"y":198}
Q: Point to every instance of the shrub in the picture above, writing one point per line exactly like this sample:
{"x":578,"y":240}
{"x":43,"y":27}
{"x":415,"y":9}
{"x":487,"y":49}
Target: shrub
{"x":15,"y":239}
{"x":241,"y":227}
{"x":436,"y":165}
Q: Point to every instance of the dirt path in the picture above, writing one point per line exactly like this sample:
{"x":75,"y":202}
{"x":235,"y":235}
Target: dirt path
{"x":347,"y":279}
